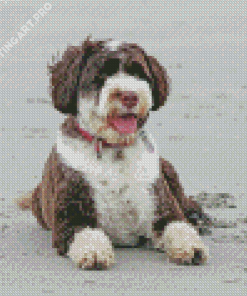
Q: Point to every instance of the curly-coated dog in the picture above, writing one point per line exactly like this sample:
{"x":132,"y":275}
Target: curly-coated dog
{"x":104,"y":183}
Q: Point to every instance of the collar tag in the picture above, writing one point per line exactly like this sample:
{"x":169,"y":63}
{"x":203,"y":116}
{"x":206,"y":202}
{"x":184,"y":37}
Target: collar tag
{"x":98,"y":147}
{"x":147,"y":142}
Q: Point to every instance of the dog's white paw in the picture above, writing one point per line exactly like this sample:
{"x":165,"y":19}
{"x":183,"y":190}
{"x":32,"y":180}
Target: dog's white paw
{"x":183,"y":245}
{"x":91,"y":249}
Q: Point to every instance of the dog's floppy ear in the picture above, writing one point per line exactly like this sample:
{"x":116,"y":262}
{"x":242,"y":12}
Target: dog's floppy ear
{"x":65,"y":76}
{"x":160,"y":82}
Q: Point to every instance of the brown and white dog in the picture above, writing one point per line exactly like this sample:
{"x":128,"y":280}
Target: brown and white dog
{"x":105,"y":183}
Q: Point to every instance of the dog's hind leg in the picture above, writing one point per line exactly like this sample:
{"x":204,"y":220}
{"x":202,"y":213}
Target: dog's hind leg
{"x":30,"y":201}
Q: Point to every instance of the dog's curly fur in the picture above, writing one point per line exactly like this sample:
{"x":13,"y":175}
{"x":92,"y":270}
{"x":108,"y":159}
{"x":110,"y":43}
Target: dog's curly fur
{"x":90,"y":203}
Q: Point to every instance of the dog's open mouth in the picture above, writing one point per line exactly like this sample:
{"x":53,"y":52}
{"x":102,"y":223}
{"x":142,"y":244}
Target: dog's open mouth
{"x":125,"y":124}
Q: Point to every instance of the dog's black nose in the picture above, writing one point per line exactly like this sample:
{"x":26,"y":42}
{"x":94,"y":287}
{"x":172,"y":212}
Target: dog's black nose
{"x":129,"y":99}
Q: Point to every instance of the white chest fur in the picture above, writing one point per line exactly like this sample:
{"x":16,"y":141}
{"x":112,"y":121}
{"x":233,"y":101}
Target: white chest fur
{"x":123,"y":191}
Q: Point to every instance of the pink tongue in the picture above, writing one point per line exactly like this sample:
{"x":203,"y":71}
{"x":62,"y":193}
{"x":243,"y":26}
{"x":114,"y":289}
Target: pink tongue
{"x":126,"y":125}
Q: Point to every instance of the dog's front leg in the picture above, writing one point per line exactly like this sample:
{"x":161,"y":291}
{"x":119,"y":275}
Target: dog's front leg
{"x":76,"y":235}
{"x":62,"y":234}
{"x":172,"y":231}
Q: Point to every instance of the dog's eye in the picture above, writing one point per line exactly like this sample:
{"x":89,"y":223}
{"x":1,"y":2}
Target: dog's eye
{"x":110,"y":68}
{"x":136,"y":69}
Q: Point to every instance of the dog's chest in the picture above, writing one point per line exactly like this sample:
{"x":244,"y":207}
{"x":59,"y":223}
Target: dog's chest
{"x":123,"y":189}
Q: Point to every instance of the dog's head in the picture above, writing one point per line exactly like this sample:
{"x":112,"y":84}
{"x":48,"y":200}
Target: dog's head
{"x":109,"y":86}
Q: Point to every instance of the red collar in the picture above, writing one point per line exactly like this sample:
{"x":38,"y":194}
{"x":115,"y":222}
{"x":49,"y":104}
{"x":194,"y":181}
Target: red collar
{"x":99,"y":143}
